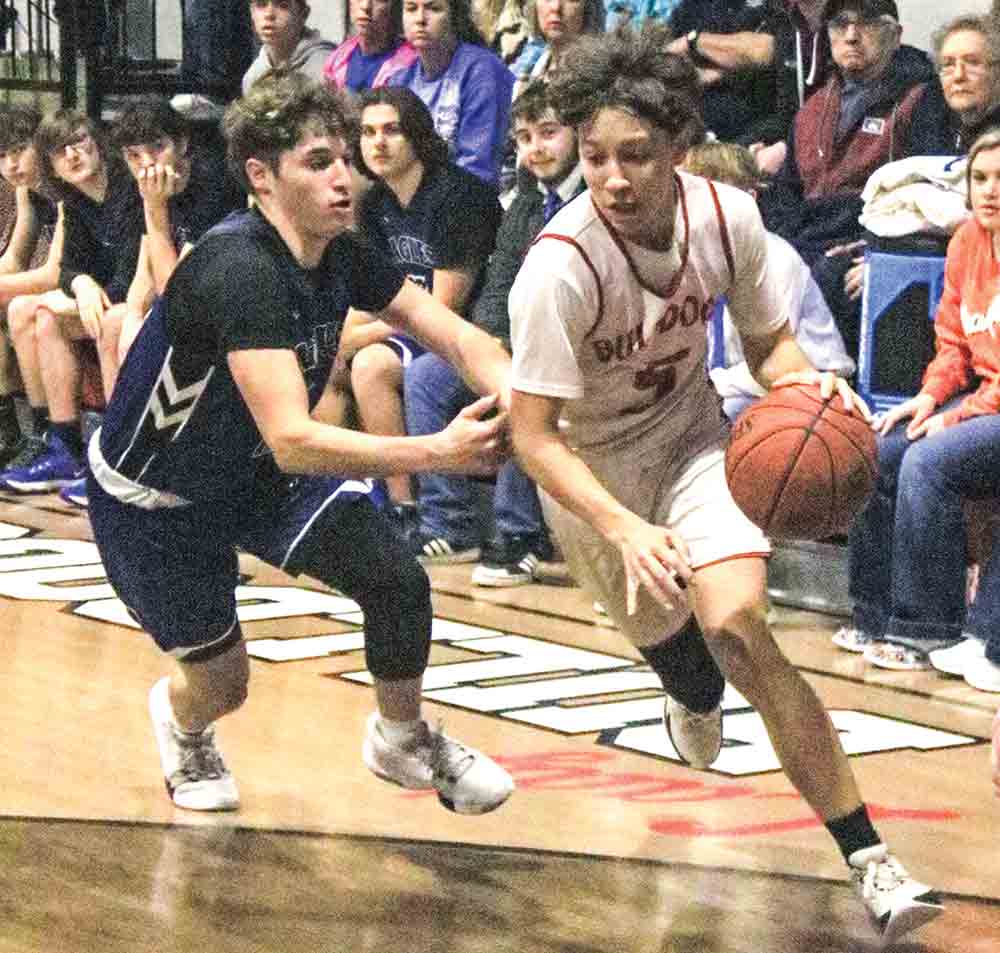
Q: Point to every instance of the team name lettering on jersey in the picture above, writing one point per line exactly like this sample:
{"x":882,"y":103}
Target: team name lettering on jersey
{"x":978,"y":323}
{"x":686,"y":314}
{"x":410,"y":250}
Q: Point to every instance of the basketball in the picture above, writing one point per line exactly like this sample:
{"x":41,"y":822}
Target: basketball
{"x":799,"y":466}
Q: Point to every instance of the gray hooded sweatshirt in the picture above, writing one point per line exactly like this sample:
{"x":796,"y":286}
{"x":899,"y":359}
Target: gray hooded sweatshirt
{"x":308,"y":57}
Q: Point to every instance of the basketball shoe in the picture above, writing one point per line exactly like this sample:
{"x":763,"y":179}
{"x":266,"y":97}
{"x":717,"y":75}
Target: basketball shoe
{"x":52,"y":469}
{"x":195,"y":774}
{"x":896,"y":903}
{"x":438,"y":551}
{"x":696,"y":737}
{"x":467,"y":781}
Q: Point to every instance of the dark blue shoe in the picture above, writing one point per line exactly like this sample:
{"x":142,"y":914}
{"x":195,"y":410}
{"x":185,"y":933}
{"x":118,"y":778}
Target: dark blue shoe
{"x":75,"y":493}
{"x":52,"y":469}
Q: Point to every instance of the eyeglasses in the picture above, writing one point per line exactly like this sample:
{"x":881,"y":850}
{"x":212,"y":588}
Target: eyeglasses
{"x":973,"y":65}
{"x":841,"y":23}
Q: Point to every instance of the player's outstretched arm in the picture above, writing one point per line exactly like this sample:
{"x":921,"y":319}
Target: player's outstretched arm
{"x":653,"y":556}
{"x":479,"y":358}
{"x":272,"y":386}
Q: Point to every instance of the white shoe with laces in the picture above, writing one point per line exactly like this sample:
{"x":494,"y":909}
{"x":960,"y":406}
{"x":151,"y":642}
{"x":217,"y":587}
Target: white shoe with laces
{"x":697,"y":738}
{"x":193,"y":769}
{"x":896,"y":903}
{"x":851,"y":639}
{"x":467,"y":781}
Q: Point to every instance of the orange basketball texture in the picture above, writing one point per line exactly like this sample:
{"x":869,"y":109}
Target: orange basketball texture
{"x":799,"y":466}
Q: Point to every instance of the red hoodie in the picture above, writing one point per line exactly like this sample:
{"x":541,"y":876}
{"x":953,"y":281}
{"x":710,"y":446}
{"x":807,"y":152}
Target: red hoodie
{"x":967,"y":326}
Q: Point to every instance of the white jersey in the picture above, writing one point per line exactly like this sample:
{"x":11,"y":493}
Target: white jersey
{"x":630,"y":361}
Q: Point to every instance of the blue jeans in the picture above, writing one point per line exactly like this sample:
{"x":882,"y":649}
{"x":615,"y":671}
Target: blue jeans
{"x":907,"y":548}
{"x":433,"y":393}
{"x":218,"y":46}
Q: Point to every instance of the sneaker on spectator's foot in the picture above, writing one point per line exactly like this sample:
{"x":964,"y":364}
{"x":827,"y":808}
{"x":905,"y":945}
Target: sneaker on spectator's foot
{"x":897,"y":658}
{"x":195,"y":774}
{"x":983,"y":674}
{"x":466,"y":780}
{"x":75,"y":493}
{"x":50,"y":470}
{"x":697,"y":738}
{"x":952,"y":660}
{"x":896,"y":903}
{"x":438,"y":551}
{"x":512,"y":560}
{"x":31,"y":449}
{"x":851,"y":639}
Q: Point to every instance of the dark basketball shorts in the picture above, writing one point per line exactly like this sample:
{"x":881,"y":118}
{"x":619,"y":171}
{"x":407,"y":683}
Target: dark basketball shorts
{"x":176,"y":569}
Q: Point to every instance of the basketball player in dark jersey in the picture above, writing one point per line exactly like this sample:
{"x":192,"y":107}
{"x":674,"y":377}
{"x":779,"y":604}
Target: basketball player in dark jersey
{"x":215,"y":438}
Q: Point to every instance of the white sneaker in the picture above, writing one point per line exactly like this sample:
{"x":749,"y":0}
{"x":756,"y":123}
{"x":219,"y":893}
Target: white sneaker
{"x":896,"y":903}
{"x":696,"y":738}
{"x":952,"y":661}
{"x":467,"y":781}
{"x":983,"y":674}
{"x":851,"y":639}
{"x":195,"y":774}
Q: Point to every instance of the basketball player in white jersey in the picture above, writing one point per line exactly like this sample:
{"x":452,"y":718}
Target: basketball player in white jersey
{"x":608,"y":330}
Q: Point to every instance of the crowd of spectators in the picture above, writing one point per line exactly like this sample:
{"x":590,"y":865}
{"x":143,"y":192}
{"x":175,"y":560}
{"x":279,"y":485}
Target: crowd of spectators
{"x":802,"y":102}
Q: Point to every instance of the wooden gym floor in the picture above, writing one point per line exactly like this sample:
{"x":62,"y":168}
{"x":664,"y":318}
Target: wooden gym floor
{"x":609,"y":845}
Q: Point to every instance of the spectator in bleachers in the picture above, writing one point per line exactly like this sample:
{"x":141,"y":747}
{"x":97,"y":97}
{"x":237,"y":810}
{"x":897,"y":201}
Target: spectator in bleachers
{"x":465,"y":85}
{"x":504,"y":24}
{"x":285,"y":41}
{"x":29,"y":265}
{"x":217,"y":49}
{"x":434,"y":390}
{"x":635,"y":13}
{"x":808,"y":314}
{"x":374,"y":51}
{"x":732,"y":43}
{"x":439,"y":223}
{"x":60,"y":331}
{"x":124,"y":234}
{"x":557,"y":23}
{"x":936,"y":450}
{"x":802,"y":61}
{"x":967,"y":57}
{"x":873,"y":109}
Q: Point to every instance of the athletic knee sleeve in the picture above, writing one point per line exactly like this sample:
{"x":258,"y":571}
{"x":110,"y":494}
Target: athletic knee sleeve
{"x":686,"y":668}
{"x":398,"y":623}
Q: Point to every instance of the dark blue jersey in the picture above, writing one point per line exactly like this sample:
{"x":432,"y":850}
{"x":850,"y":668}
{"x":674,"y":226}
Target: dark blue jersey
{"x":176,"y":421}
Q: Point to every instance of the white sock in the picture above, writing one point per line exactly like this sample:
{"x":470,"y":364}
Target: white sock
{"x":399,"y":732}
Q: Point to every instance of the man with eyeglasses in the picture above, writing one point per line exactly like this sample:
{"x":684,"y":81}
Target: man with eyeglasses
{"x":876,"y":107}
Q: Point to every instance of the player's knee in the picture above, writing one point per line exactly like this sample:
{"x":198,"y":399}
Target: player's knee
{"x":398,"y":623}
{"x":740,"y":643}
{"x":373,"y":366}
{"x":46,"y":323}
{"x":21,"y":315}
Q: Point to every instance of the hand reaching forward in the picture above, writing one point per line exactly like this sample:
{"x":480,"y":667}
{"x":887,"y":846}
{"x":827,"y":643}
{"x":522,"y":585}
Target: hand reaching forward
{"x":472,"y":444}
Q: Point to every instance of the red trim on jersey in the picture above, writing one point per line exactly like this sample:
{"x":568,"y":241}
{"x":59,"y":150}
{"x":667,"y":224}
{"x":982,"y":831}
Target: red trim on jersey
{"x":589,"y":264}
{"x":727,"y":559}
{"x":727,"y":246}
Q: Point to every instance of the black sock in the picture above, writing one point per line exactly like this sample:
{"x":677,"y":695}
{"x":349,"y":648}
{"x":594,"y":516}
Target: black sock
{"x":39,"y":420}
{"x":853,"y":832}
{"x":10,"y":429}
{"x":686,"y":669}
{"x":68,"y":431}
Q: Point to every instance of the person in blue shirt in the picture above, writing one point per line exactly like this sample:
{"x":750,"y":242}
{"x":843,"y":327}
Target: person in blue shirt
{"x":218,"y":437}
{"x":466,"y":87}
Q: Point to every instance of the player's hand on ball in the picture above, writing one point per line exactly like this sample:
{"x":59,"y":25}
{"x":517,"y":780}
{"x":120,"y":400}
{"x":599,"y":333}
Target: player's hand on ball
{"x":473,"y":444}
{"x":828,"y":383}
{"x":656,"y":559}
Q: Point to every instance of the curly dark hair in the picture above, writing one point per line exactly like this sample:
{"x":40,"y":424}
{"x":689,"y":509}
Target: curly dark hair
{"x":276,"y":113}
{"x":629,"y":70}
{"x":414,"y":119}
{"x":145,"y":120}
